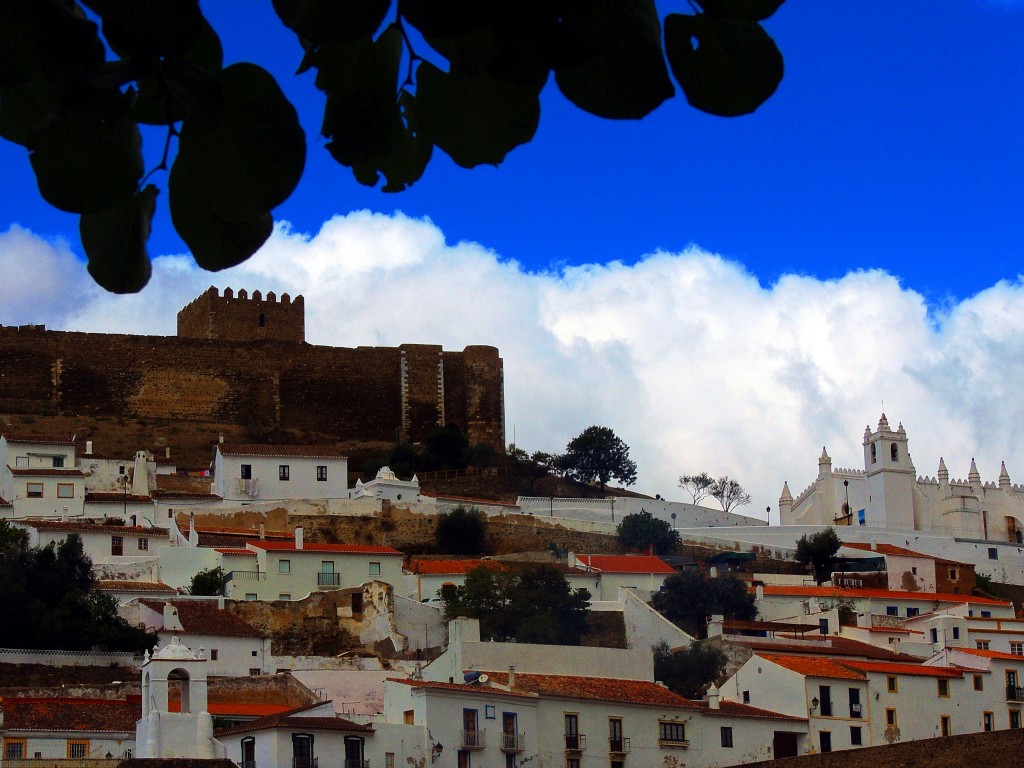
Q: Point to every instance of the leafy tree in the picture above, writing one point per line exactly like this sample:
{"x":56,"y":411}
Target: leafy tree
{"x":599,"y":454}
{"x":209,"y":581}
{"x":446,"y":448}
{"x":698,"y":486}
{"x":11,"y":538}
{"x":460,"y":531}
{"x":642,"y":529}
{"x":689,"y":597}
{"x":398,"y":79}
{"x":729,"y":493}
{"x":690,"y":671}
{"x":819,"y":551}
{"x":528,"y":604}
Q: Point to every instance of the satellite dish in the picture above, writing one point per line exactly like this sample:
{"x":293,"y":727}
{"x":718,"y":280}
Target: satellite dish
{"x":483,"y":679}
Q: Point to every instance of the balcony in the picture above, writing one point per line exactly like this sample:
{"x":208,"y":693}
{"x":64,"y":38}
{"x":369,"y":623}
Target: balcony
{"x":512,"y":742}
{"x":328,"y":579}
{"x":304,"y":762}
{"x":1014,"y":693}
{"x":246,"y":576}
{"x":618,"y":745}
{"x":575,"y":742}
{"x":474,"y":739}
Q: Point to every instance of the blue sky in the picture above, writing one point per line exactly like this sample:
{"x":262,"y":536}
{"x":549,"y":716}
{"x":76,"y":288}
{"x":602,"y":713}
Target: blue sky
{"x":881,"y":186}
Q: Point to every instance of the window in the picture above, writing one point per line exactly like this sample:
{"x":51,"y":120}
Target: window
{"x":472,"y":736}
{"x":462,"y":759}
{"x":982,"y":645}
{"x":855,"y":710}
{"x":892,"y":610}
{"x":58,"y":462}
{"x":490,"y":713}
{"x":78,"y":749}
{"x":946,"y":726}
{"x":572,"y":732}
{"x":407,"y":717}
{"x":1015,"y":718}
{"x":321,"y":474}
{"x":263,"y":320}
{"x":979,"y":683}
{"x":284,"y":566}
{"x":250,"y":596}
{"x":34,"y":490}
{"x":993,"y":553}
{"x":726,"y":736}
{"x":65,"y":490}
{"x":14,"y":749}
{"x":143,"y":545}
{"x":935,"y":634}
{"x":989,"y":721}
{"x":746,"y":697}
{"x":21,"y":461}
{"x":911,"y":612}
{"x":874,"y":453}
{"x":913,"y":569}
{"x":572,"y":762}
{"x":389,"y":760}
{"x":986,"y":614}
{"x":284,"y":472}
{"x":890,"y":717}
{"x":855,"y":736}
{"x":952,"y":574}
{"x":120,"y":470}
{"x":825,"y":696}
{"x":956,"y":633}
{"x":285,"y":596}
{"x":302,"y":750}
{"x":894,"y":452}
{"x":826,"y":741}
{"x":249,"y":752}
{"x":943,"y":688}
{"x":246,"y":471}
{"x":892,"y":684}
{"x":255,"y":671}
{"x":375,"y":569}
{"x":255,"y":653}
{"x":674,"y":732}
{"x":615,"y":743}
{"x":1017,"y":649}
{"x":510,"y":761}
{"x":116,"y":545}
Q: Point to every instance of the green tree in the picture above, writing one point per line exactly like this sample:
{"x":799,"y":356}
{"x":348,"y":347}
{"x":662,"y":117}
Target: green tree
{"x":691,"y":670}
{"x":729,"y":493}
{"x":698,"y":486}
{"x":642,"y":529}
{"x":446,"y":448}
{"x":209,"y":582}
{"x":398,"y":78}
{"x":11,"y":538}
{"x":599,"y":454}
{"x":527,"y":604}
{"x":460,"y":531}
{"x":819,"y":551}
{"x":687,"y":598}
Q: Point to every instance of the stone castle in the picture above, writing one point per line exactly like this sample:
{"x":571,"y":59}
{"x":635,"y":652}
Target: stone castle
{"x":241,"y":361}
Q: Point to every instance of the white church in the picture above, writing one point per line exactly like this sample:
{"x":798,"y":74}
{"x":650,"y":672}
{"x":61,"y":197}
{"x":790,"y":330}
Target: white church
{"x":889,"y":494}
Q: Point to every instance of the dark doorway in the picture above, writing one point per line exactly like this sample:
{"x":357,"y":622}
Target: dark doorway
{"x":784,"y":744}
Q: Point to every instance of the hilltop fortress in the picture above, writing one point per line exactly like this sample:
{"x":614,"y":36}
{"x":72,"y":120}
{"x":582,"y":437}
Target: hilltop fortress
{"x":240,"y":363}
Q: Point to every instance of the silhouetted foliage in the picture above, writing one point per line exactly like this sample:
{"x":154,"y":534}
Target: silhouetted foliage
{"x":642,"y":529}
{"x":599,"y":454}
{"x":398,"y":79}
{"x":460,"y":531}
{"x":446,"y":448}
{"x":698,"y":486}
{"x":819,"y":551}
{"x":691,"y":670}
{"x":51,"y":592}
{"x":729,"y":493}
{"x":528,"y":604}
{"x":687,"y":598}
{"x":209,"y":582}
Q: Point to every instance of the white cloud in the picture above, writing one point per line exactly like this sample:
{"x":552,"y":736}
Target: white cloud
{"x":686,"y":356}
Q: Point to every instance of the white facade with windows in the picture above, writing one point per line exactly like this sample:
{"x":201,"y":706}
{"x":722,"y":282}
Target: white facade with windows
{"x":105,"y":544}
{"x":39,"y":478}
{"x":279,"y":472}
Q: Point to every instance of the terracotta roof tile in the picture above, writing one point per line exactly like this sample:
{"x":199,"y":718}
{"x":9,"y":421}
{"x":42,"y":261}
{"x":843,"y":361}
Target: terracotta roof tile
{"x":885,"y":549}
{"x":44,"y":472}
{"x":625,"y":563}
{"x":991,"y":654}
{"x":235,"y":551}
{"x":595,"y":688}
{"x":293,"y":718}
{"x":173,"y":495}
{"x":829,"y":646}
{"x":134,"y":586}
{"x":70,"y":715}
{"x":114,"y":497}
{"x":919,"y":670}
{"x":25,"y":437}
{"x":889,"y":594}
{"x":74,"y":527}
{"x":4,"y":502}
{"x":203,"y":617}
{"x":340,"y":549}
{"x":477,"y":690}
{"x":814,"y":666}
{"x":285,"y":451}
{"x":735,"y":709}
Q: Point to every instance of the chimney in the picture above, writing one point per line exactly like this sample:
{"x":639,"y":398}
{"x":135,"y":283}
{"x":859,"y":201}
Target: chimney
{"x":511,"y":678}
{"x":716,"y":626}
{"x":220,"y":602}
{"x":88,"y":447}
{"x":712,"y":697}
{"x":64,"y":514}
{"x":263,"y":532}
{"x":171,"y":621}
{"x":759,"y":592}
{"x":193,"y":534}
{"x":167,"y":452}
{"x":298,"y":537}
{"x":220,"y":439}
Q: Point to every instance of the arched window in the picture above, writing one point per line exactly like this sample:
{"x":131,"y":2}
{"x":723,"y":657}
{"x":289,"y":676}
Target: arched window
{"x":894,"y":452}
{"x":182,"y":677}
{"x":874,"y":458}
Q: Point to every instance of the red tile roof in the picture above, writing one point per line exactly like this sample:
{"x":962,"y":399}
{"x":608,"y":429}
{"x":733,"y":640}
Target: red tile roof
{"x":814,"y":666}
{"x":625,"y":563}
{"x":885,"y":549}
{"x":293,"y":718}
{"x":203,"y":617}
{"x":75,"y":527}
{"x":289,"y":451}
{"x":249,"y":533}
{"x":919,"y":670}
{"x":339,"y":549}
{"x":830,"y":645}
{"x":44,"y":472}
{"x":991,"y":654}
{"x":4,"y":502}
{"x":476,"y":690}
{"x":114,"y":497}
{"x":735,"y":709}
{"x":25,"y":437}
{"x":134,"y":586}
{"x":172,"y":495}
{"x":235,"y":551}
{"x":885,"y":594}
{"x":65,"y":715}
{"x":639,"y":692}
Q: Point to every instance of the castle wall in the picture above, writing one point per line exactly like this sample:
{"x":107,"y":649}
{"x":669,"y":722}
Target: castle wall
{"x":243,"y":317}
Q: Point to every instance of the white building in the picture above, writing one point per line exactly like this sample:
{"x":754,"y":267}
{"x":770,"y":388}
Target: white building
{"x":39,"y":477}
{"x":105,"y":544}
{"x":643,"y":573}
{"x":65,"y":730}
{"x":280,"y":472}
{"x":387,"y":485}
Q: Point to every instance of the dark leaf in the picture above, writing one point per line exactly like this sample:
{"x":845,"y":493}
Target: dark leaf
{"x":22,"y":109}
{"x":115,"y":242}
{"x":476,"y":120}
{"x":625,"y":75}
{"x":151,"y":28}
{"x":741,"y":10}
{"x":482,"y":51}
{"x":408,"y":154}
{"x":249,"y":160}
{"x":725,"y":67}
{"x":444,"y":18}
{"x":43,"y":36}
{"x":324,"y":21}
{"x":86,"y":161}
{"x":215,"y":243}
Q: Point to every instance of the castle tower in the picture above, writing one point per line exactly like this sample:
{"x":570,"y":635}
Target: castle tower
{"x":188,"y":732}
{"x":890,"y":476}
{"x":1004,"y":477}
{"x":243,"y":318}
{"x":785,"y":504}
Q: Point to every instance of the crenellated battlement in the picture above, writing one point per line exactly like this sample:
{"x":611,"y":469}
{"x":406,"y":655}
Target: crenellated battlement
{"x":241,"y":317}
